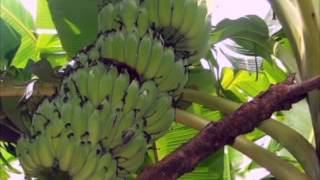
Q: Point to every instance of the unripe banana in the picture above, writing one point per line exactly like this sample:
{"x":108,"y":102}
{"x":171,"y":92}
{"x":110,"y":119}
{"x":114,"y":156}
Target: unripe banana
{"x":177,"y":13}
{"x":112,"y":171}
{"x":170,"y":83}
{"x":89,"y":166}
{"x":45,"y":153}
{"x":79,"y":158}
{"x":104,"y":162}
{"x":65,"y":152}
{"x":131,"y":49}
{"x":200,"y":21}
{"x":83,"y":59}
{"x":132,"y":164}
{"x":144,"y":54}
{"x":158,"y":109}
{"x":129,"y":14}
{"x":81,"y":79}
{"x":94,"y":84}
{"x":143,"y":22}
{"x":119,"y":88}
{"x":98,"y":175}
{"x":125,"y":122}
{"x":155,"y":60}
{"x":105,"y":86}
{"x":165,"y":12}
{"x":94,"y":53}
{"x":106,"y":49}
{"x":150,"y":90}
{"x":33,"y":151}
{"x":163,"y":123}
{"x":132,"y":96}
{"x":38,"y":123}
{"x":166,"y":64}
{"x":106,"y":18}
{"x":79,"y":121}
{"x":129,"y":149}
{"x":94,"y":127}
{"x":152,"y":8}
{"x":189,"y":16}
{"x":23,"y":153}
{"x":118,"y":47}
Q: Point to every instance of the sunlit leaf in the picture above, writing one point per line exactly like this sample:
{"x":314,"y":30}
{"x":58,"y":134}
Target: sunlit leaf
{"x":13,"y":13}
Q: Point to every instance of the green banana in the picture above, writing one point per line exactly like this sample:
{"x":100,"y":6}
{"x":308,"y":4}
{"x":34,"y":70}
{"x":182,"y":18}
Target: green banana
{"x":33,"y":151}
{"x":105,"y":86}
{"x":94,"y":77}
{"x":144,"y":54}
{"x":200,"y":21}
{"x":150,"y":90}
{"x":129,"y":149}
{"x":131,"y":49}
{"x":118,"y":46}
{"x":158,"y":109}
{"x":163,"y":123}
{"x":143,"y":22}
{"x":189,"y":16}
{"x":106,"y":18}
{"x":79,"y":158}
{"x":177,"y":13}
{"x":45,"y":153}
{"x":98,"y":175}
{"x":152,"y":8}
{"x":104,"y":162}
{"x":129,"y":14}
{"x":83,"y":59}
{"x":88,"y":168}
{"x":170,"y":83}
{"x":164,"y":12}
{"x":132,"y":96}
{"x":23,"y":153}
{"x":79,"y":121}
{"x":81,"y":79}
{"x":38,"y":123}
{"x":119,"y":88}
{"x":155,"y":60}
{"x":167,"y":62}
{"x":112,"y":171}
{"x":132,"y":164}
{"x":107,"y":47}
{"x":94,"y":127}
{"x":94,"y":53}
{"x":65,"y":152}
{"x":124,"y":123}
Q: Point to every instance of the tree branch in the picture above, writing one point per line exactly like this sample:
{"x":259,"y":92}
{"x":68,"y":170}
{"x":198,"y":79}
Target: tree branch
{"x":215,"y":135}
{"x":39,"y":89}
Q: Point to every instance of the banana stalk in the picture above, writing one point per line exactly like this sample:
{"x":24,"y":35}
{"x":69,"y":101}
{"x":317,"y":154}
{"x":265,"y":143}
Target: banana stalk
{"x":296,"y":144}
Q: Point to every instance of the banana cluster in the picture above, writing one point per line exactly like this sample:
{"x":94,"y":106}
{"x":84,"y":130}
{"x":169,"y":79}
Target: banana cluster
{"x":118,"y":95}
{"x":100,"y":118}
{"x":180,"y":24}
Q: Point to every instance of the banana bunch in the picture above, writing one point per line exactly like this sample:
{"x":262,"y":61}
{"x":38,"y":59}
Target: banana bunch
{"x":117,"y":95}
{"x":148,"y":57}
{"x":182,"y":24}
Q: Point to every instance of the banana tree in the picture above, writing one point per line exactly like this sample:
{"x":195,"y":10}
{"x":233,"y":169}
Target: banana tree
{"x":206,"y":96}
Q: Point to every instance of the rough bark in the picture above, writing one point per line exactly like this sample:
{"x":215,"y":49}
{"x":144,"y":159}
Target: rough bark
{"x":217,"y":134}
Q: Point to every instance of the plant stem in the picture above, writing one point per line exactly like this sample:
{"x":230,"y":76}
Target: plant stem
{"x":296,"y":144}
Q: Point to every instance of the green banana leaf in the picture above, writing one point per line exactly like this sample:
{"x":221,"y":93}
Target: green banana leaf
{"x":76,"y":23}
{"x":13,"y":13}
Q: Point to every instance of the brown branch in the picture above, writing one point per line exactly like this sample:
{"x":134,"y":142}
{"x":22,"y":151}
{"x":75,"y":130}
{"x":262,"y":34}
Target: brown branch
{"x":40,"y":89}
{"x":215,"y":135}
